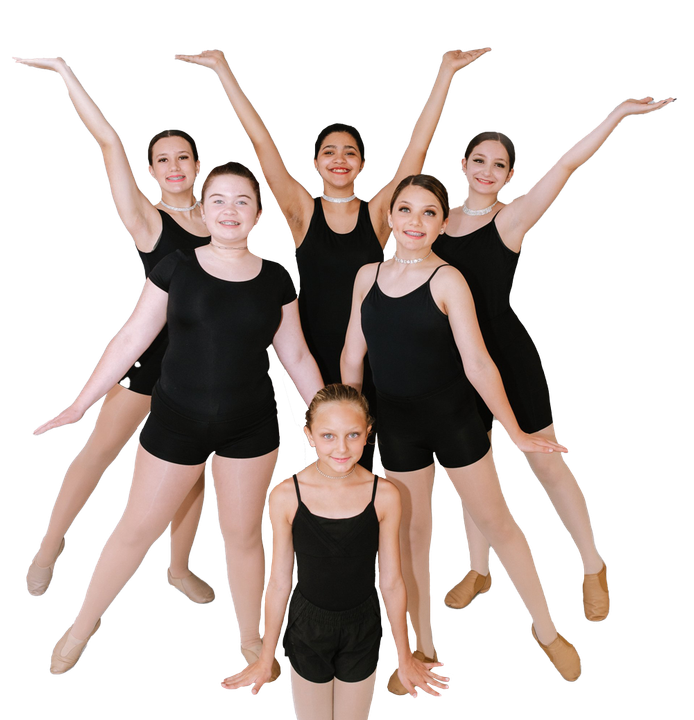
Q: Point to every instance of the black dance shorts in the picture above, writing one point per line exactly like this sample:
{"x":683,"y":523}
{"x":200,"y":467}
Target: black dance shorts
{"x":326,"y":644}
{"x":173,"y":437}
{"x":444,"y":422}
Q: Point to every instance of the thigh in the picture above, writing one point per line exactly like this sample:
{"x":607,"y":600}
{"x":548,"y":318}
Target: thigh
{"x":158,"y":489}
{"x":415,"y":495}
{"x":352,"y":701}
{"x":121,"y":413}
{"x":312,"y":701}
{"x":241,"y":485}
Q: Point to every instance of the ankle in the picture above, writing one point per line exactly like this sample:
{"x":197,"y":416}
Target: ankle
{"x":547,"y":635}
{"x":178,"y":572}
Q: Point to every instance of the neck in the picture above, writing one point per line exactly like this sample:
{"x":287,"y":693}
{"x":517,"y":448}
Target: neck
{"x":479,"y":202}
{"x":179,"y":200}
{"x":342,"y":192}
{"x":230,"y":250}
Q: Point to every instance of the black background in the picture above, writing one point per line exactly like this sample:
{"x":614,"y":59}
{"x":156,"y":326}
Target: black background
{"x":586,"y":290}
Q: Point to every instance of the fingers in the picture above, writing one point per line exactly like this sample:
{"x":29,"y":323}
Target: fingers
{"x":236,"y":681}
{"x":54,"y":423}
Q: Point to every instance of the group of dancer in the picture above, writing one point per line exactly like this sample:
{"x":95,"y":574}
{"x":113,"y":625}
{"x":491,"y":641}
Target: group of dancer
{"x":428,"y":337}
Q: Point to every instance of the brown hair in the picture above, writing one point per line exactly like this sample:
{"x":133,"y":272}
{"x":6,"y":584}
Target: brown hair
{"x":234,"y":168}
{"x":499,"y":137}
{"x":337,"y":392}
{"x":428,"y":182}
{"x":172,"y":133}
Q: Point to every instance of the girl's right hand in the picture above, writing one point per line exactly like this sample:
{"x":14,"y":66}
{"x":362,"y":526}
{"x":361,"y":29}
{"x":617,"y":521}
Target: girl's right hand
{"x":209,"y":58}
{"x":67,"y":417}
{"x":256,"y":674}
{"x":457,"y":59}
{"x":54,"y":64}
{"x":414,"y":673}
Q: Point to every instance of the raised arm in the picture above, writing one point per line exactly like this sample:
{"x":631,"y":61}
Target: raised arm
{"x":146,"y":322}
{"x":294,"y":200}
{"x":413,"y":673}
{"x":290,"y":346}
{"x":139,"y":216}
{"x":518,"y":217}
{"x":416,"y":152}
{"x":450,"y":289}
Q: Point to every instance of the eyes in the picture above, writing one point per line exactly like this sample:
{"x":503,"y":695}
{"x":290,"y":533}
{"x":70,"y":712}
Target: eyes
{"x":350,"y":436}
{"x":180,"y":157}
{"x":480,"y":161}
{"x":429,"y":212}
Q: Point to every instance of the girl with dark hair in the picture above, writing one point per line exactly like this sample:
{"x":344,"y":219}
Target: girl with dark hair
{"x":224,"y":307}
{"x":415,"y":316}
{"x":336,"y":516}
{"x":337,"y":233}
{"x":173,"y":223}
{"x":485,"y":247}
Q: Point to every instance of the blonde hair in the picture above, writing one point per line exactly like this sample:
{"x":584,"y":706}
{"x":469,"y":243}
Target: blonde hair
{"x":337,"y":392}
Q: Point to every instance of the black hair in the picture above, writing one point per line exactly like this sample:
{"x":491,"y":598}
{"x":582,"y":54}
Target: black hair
{"x":340,"y":127}
{"x":172,"y":133}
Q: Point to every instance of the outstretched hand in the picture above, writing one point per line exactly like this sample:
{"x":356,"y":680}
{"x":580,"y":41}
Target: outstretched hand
{"x":255,"y":674}
{"x":640,"y":107}
{"x":54,"y":64}
{"x":536,"y":443}
{"x":208,"y":58}
{"x":67,"y":417}
{"x":457,"y":59}
{"x":414,"y":673}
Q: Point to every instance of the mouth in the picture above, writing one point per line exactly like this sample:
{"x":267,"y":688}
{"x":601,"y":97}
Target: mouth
{"x":339,"y":171}
{"x":339,"y":461}
{"x":176,"y":178}
{"x":414,"y":235}
{"x":484,"y":182}
{"x":229,"y":223}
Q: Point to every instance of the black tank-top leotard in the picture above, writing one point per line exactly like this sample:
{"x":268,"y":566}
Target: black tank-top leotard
{"x":144,"y":373}
{"x":489,"y":266}
{"x":426,"y":403}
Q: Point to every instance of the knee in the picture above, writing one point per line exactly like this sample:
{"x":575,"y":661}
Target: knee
{"x":549,"y":468}
{"x":239,"y":538}
{"x":498,"y":528}
{"x":133,"y":533}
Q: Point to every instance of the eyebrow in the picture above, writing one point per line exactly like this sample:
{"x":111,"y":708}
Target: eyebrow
{"x":431,"y":205}
{"x":177,"y":152}
{"x":500,"y":159}
{"x":351,"y":147}
{"x":236,"y":196}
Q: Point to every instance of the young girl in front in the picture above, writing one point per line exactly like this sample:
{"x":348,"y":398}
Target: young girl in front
{"x":336,"y":516}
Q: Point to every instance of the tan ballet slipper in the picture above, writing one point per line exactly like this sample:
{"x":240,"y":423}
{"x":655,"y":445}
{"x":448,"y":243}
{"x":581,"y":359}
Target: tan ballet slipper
{"x":192,"y":587}
{"x":472,"y":585}
{"x":596,"y":596}
{"x":39,"y":578}
{"x":394,"y":684}
{"x":62,"y":663}
{"x":563,"y":656}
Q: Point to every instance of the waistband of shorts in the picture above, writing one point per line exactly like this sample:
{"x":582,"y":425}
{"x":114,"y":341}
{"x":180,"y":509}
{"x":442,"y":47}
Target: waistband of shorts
{"x":259,"y":411}
{"x":334,"y":617}
{"x":458,"y":380}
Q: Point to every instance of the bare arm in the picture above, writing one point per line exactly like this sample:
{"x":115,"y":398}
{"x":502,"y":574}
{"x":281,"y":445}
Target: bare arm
{"x":416,"y":152}
{"x":413,"y":673}
{"x":352,"y":358}
{"x":139,"y":216}
{"x":282,"y":509}
{"x":146,"y":322}
{"x":295,"y":202}
{"x":518,"y":217}
{"x":450,"y":288}
{"x":291,"y":348}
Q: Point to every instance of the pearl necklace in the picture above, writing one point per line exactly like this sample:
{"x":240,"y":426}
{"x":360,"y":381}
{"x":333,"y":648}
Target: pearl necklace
{"x":336,"y":477}
{"x":171,"y":207}
{"x":410,"y":262}
{"x":483,"y":211}
{"x":222,"y":247}
{"x":338,"y":200}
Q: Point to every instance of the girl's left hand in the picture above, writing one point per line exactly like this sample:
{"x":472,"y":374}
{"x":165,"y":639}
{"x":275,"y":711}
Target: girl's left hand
{"x":71,"y":415}
{"x":256,"y":674}
{"x":536,"y":443}
{"x":415,"y":674}
{"x":640,"y":107}
{"x":457,"y":59}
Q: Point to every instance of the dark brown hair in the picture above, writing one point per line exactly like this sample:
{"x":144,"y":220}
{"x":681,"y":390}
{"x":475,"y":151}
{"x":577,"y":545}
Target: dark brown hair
{"x":172,"y":133}
{"x":499,"y":137}
{"x":428,"y":182}
{"x":337,"y":392}
{"x":234,"y":168}
{"x":339,"y":127}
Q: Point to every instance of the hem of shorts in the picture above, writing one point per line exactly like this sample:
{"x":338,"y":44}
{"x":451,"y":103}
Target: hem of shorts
{"x":247,"y":457}
{"x":318,"y":682}
{"x":173,"y":462}
{"x":456,"y":467}
{"x":137,"y":392}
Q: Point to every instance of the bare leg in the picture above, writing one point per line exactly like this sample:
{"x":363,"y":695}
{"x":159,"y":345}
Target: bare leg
{"x":352,"y":701}
{"x":312,"y":701}
{"x":241,"y":486}
{"x":158,"y":490}
{"x":567,"y":498}
{"x":478,"y":487}
{"x":415,"y":540}
{"x":121,"y":412}
{"x":184,"y":526}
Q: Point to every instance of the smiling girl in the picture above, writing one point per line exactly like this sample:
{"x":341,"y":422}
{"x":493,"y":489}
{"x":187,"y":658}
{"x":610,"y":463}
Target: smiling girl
{"x":336,"y":516}
{"x":415,"y":316}
{"x":224,"y":307}
{"x":175,"y":222}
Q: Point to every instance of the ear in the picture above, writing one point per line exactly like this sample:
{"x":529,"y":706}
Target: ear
{"x":390,"y":220}
{"x":257,"y":217}
{"x":197,"y":168}
{"x":464,"y":164}
{"x":510,"y":175}
{"x":443,"y":226}
{"x":309,"y":437}
{"x":151,"y":171}
{"x":315,"y":163}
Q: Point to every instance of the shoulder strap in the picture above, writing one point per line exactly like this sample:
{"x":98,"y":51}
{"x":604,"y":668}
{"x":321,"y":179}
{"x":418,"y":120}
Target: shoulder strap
{"x":296,"y":485}
{"x":373,"y":496}
{"x":437,"y":269}
{"x":378,"y":270}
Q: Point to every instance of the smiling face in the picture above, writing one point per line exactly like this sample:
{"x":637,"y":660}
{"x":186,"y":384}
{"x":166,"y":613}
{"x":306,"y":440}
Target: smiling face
{"x":339,"y":160}
{"x":173,"y":166}
{"x":230,"y":208}
{"x":338,"y":432}
{"x":417,"y":219}
{"x":487,"y":167}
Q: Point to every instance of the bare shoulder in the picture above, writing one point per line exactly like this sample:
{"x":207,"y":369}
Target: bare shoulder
{"x":387,"y":497}
{"x":283,"y":497}
{"x":448,"y":278}
{"x":365,"y":276}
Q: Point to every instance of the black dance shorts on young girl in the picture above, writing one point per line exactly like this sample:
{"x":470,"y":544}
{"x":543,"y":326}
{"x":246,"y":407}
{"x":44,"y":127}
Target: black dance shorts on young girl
{"x":177,"y":438}
{"x":325,"y":644}
{"x":444,"y":422}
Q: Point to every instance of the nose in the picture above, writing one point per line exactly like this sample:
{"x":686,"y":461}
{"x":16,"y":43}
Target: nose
{"x":342,"y":444}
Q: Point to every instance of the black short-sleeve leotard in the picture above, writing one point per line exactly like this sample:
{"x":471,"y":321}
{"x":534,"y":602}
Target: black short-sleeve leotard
{"x":216,"y":363}
{"x":144,"y":373}
{"x":489,"y":266}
